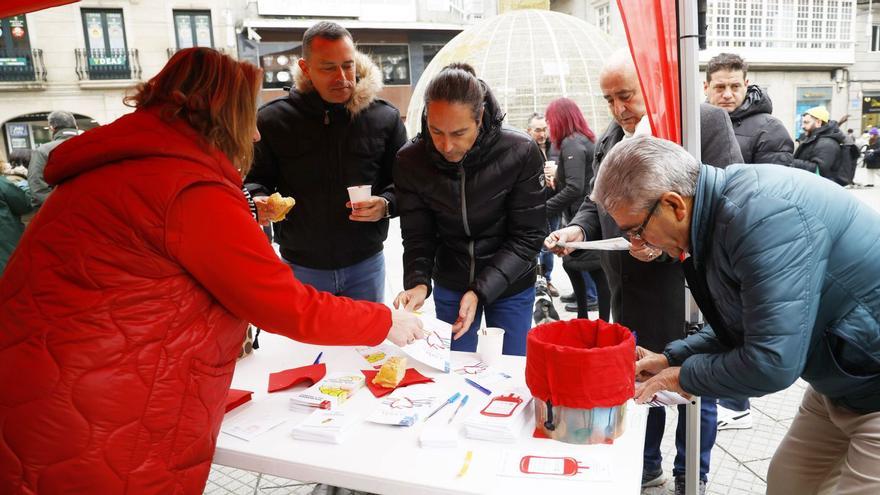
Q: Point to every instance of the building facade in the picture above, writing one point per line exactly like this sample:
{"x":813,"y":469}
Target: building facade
{"x":864,"y":76}
{"x":402,"y":36}
{"x":803,"y":52}
{"x":85,"y":57}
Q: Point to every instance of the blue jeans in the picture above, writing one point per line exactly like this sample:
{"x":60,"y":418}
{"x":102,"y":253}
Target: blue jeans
{"x":592,"y":294}
{"x":735,"y":405}
{"x":364,"y":281}
{"x":654,"y":435}
{"x":512,"y":313}
{"x":546,"y":257}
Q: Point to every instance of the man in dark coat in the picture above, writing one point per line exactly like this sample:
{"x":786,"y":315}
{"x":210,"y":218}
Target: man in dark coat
{"x":648,"y":298}
{"x":330,"y":133}
{"x":762,"y":138}
{"x":536,"y":127}
{"x":820,"y":148}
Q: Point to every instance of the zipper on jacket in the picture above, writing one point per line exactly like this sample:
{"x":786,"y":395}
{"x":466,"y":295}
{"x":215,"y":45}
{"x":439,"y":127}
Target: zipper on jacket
{"x":467,"y":229}
{"x":326,"y":117}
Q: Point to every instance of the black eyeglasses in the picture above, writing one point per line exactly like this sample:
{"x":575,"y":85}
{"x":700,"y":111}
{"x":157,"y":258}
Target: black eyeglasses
{"x":637,"y":232}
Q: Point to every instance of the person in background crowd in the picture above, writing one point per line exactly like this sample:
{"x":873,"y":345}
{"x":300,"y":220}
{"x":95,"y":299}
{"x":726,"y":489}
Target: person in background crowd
{"x":775,"y":258}
{"x":648,"y":298}
{"x":872,"y":156}
{"x":820,"y":145}
{"x":762,"y":138}
{"x":126,"y":302}
{"x":15,"y":201}
{"x":537,"y":128}
{"x":471,"y":213}
{"x":570,"y":133}
{"x":331,"y":132}
{"x":62,"y":126}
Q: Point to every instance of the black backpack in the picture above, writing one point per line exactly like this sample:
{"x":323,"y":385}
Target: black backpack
{"x":844,"y":168}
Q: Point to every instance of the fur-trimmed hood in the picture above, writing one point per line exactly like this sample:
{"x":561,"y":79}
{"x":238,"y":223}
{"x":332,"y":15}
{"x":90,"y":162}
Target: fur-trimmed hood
{"x":366,"y":89}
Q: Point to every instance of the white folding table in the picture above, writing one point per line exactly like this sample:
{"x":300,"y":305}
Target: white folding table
{"x":387,"y":459}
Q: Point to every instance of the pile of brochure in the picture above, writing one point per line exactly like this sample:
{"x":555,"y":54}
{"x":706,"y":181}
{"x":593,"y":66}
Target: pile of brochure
{"x":501,"y":418}
{"x":405,"y":406}
{"x":330,"y":392}
{"x":438,"y":436}
{"x":325,"y":426}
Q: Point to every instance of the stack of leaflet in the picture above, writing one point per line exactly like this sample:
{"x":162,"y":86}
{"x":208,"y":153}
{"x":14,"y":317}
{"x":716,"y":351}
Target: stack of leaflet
{"x":330,"y":392}
{"x":325,"y":426}
{"x":405,"y":406}
{"x":438,"y":436}
{"x":501,"y":418}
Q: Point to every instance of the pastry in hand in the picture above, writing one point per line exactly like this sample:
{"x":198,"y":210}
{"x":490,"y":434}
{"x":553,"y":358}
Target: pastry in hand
{"x":391,"y":373}
{"x":281,"y":206}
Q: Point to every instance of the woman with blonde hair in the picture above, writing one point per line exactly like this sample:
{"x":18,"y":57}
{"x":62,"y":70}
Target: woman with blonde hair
{"x":126,"y":302}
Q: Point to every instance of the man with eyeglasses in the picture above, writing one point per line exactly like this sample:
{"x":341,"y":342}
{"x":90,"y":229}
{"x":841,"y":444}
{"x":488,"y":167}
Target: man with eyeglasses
{"x":777,"y":259}
{"x":648,"y":298}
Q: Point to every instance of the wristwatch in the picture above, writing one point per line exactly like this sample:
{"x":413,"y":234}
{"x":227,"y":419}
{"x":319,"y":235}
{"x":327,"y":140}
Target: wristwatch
{"x":387,"y":207}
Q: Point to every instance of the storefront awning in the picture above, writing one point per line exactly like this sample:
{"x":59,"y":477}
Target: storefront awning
{"x":15,"y":7}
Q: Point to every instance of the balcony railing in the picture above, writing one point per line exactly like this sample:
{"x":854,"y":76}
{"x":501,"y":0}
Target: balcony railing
{"x":22,"y":66}
{"x":99,"y":64}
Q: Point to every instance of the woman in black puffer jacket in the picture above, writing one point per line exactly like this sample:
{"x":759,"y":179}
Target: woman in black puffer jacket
{"x":471,"y":207}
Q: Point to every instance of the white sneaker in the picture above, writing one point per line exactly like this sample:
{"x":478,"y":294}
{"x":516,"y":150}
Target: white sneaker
{"x":734,"y":420}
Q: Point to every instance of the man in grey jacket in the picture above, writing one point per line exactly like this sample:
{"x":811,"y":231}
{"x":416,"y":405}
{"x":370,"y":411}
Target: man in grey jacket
{"x":762,"y":138}
{"x":776,"y":260}
{"x":62,"y":125}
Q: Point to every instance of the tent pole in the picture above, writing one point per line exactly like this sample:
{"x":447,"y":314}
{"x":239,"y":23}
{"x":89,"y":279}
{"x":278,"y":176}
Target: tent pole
{"x":688,"y":67}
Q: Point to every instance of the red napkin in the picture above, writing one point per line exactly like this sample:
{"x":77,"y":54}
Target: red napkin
{"x":285,"y":379}
{"x":411,"y":377}
{"x":235,"y":398}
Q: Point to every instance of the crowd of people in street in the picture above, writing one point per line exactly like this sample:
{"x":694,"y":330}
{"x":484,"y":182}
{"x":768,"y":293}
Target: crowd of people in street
{"x":128,"y":304}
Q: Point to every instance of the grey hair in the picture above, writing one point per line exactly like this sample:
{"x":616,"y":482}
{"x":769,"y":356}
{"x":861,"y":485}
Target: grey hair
{"x":59,"y":119}
{"x":533,"y":117}
{"x":638,"y":171}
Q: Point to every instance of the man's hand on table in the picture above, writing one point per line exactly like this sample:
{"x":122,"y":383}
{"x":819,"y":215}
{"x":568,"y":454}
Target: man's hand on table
{"x":654,"y":375}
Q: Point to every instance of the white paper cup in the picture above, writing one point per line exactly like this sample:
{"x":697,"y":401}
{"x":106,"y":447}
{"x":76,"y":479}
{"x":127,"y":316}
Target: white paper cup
{"x":359,"y":194}
{"x":490,"y":343}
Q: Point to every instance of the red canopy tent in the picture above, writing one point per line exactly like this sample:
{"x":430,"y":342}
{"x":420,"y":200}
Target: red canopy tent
{"x":14,"y":7}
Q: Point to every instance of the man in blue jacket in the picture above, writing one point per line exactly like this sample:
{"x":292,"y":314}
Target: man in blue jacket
{"x":780,"y":263}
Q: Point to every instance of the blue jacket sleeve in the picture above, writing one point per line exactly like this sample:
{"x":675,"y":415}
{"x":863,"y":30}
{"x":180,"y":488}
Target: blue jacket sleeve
{"x":778,"y":256}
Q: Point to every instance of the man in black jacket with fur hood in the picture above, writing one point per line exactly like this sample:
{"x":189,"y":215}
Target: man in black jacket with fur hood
{"x":330,"y":133}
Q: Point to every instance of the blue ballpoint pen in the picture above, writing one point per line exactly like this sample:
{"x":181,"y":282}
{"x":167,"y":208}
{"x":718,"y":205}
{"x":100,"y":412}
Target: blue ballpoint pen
{"x":448,"y":401}
{"x":460,"y":405}
{"x":478,"y":386}
{"x":318,"y":359}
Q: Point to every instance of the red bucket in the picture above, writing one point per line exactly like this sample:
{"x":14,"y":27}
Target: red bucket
{"x":577,"y":366}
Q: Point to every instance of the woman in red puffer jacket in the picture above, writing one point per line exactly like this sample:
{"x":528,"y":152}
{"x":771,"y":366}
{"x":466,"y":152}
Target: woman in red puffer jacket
{"x":125,"y":305}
